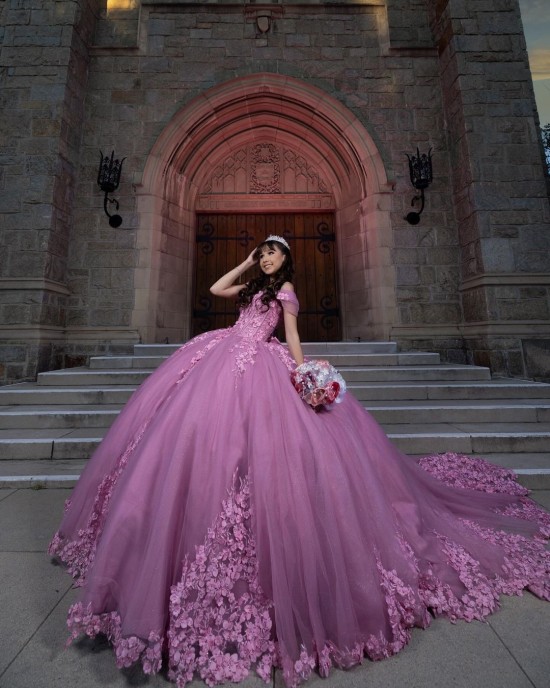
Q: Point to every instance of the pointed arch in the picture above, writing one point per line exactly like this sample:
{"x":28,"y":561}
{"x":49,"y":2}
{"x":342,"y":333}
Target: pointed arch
{"x":263,"y":107}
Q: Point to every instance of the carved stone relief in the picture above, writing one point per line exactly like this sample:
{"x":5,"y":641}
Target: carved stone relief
{"x":301,"y":177}
{"x":265,"y":168}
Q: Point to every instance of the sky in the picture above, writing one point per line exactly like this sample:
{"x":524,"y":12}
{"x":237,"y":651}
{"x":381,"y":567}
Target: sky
{"x":536,"y":23}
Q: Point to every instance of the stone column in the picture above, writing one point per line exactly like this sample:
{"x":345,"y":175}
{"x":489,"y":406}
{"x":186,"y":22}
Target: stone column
{"x":43,"y":72}
{"x":499,"y":187}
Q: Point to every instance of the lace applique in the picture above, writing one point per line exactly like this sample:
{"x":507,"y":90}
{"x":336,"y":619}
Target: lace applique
{"x":245,"y":351}
{"x":276,"y":347}
{"x":195,"y":340}
{"x":527,"y":561}
{"x":526,"y":565}
{"x":79,"y":554}
{"x":434,"y":594}
{"x":256,"y":324}
{"x":219,"y":618}
{"x":458,"y":470}
{"x":216,"y":339}
{"x":405,"y":610}
{"x":257,"y":321}
{"x":403,"y":607}
{"x":300,"y":670}
{"x":481,"y":596}
{"x":220,"y":623}
{"x":215,"y":630}
{"x":528,"y":510}
{"x":128,"y":650}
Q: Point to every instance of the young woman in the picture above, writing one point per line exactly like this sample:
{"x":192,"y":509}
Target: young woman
{"x":224,"y":525}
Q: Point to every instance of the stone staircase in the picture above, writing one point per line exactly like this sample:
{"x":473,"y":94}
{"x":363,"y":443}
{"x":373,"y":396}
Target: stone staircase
{"x":49,"y":428}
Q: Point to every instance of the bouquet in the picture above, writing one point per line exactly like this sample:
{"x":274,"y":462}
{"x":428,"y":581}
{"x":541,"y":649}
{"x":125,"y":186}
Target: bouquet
{"x":318,"y":383}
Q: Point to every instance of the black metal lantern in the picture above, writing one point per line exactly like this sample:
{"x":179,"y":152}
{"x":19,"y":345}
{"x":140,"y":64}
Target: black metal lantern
{"x":108,"y":178}
{"x":420,"y":170}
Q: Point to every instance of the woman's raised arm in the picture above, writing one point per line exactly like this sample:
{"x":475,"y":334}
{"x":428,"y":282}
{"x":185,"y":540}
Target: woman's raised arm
{"x":225,"y":286}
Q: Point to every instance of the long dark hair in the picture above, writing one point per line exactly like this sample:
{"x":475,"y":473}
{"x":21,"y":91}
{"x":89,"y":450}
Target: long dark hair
{"x":263,"y":282}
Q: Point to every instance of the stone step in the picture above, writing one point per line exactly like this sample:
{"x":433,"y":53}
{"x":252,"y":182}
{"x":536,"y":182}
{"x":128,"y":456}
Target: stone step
{"x":479,"y":440}
{"x":468,"y":438}
{"x":80,"y":377}
{"x":424,"y":407}
{"x":126,"y":362}
{"x":491,"y":389}
{"x":88,"y":416}
{"x":524,"y":461}
{"x":322,"y":348}
{"x":533,"y":471}
{"x":339,"y":360}
{"x":40,"y":473}
{"x":85,"y":376}
{"x":441,"y":373}
{"x":468,"y":412}
{"x":28,"y":393}
{"x":80,"y":416}
{"x":49,"y":443}
{"x":309,"y":348}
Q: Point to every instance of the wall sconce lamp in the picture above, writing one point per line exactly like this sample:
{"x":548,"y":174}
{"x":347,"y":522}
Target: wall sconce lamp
{"x":420,"y":170}
{"x":108,"y":178}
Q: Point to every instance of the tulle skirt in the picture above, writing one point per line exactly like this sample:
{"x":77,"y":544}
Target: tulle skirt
{"x":224,"y":526}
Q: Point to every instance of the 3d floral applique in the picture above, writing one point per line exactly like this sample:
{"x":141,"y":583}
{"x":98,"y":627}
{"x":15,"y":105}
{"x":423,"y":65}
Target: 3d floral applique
{"x":220,"y":623}
{"x":78,"y":554}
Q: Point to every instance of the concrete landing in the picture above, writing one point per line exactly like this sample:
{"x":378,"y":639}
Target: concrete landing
{"x":508,"y":651}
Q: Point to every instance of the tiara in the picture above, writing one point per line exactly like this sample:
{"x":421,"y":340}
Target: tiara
{"x":280,"y":239}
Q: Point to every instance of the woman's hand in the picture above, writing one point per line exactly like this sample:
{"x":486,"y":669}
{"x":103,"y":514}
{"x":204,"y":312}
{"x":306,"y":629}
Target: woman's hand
{"x":225,"y":286}
{"x":252,"y":259}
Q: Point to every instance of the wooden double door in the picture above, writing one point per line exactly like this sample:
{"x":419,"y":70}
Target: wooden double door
{"x":224,"y":241}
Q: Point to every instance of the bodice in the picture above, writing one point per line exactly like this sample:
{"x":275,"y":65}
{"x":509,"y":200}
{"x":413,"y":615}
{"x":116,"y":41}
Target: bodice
{"x":257,"y":321}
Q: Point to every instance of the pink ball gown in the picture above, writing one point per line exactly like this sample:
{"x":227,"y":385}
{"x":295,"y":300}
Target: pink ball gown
{"x":224,"y":526}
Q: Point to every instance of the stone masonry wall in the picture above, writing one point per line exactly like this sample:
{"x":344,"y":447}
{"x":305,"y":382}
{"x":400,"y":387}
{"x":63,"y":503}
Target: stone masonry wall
{"x":500,"y":195}
{"x":388,"y":77}
{"x":43,"y":72}
{"x":472,"y":279}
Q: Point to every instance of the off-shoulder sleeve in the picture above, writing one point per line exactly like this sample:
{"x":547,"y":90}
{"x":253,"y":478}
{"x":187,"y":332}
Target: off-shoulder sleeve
{"x":289,"y":301}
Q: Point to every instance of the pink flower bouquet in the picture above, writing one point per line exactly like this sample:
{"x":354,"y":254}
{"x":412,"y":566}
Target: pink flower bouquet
{"x":318,"y":383}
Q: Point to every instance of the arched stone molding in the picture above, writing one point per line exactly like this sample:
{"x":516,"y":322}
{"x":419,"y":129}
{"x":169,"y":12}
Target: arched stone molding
{"x":264,"y":108}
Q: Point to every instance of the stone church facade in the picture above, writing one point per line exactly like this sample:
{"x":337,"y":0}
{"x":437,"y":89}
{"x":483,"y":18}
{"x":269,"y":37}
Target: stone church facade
{"x":261,"y":111}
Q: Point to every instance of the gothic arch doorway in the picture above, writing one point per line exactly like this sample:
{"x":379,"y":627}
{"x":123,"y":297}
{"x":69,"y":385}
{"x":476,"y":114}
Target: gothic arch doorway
{"x":344,"y":174}
{"x":225,"y":240}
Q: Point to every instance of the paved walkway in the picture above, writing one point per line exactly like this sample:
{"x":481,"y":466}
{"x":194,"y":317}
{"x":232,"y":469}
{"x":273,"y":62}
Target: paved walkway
{"x":511,"y":650}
